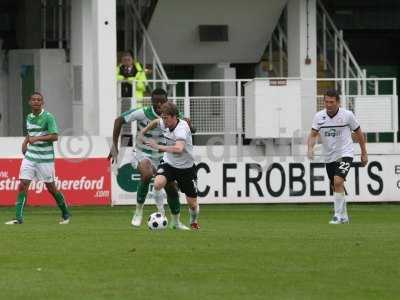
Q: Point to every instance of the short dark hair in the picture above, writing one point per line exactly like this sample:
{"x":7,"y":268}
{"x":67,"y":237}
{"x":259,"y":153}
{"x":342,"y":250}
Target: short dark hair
{"x":127,"y":53}
{"x":170,"y":109}
{"x":36,"y":93}
{"x":332,"y":93}
{"x":159,"y":92}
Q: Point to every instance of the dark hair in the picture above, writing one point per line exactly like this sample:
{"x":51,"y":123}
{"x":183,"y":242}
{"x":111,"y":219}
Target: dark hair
{"x":36,"y":93}
{"x":127,"y":53}
{"x":332,"y":93}
{"x":170,"y":109}
{"x":159,"y":92}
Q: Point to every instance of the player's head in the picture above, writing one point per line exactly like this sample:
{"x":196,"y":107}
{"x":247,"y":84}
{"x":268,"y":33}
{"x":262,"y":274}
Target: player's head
{"x":158,"y":98}
{"x":331,"y":101}
{"x":169,"y":114}
{"x":36,"y":101}
{"x":127,"y":59}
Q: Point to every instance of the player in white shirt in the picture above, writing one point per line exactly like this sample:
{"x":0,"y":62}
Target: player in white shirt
{"x":146,"y":160}
{"x":334,"y":125}
{"x":178,"y":162}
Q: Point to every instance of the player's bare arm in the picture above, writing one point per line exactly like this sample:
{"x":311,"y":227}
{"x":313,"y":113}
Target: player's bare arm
{"x":359,"y":135}
{"x":311,"y":141}
{"x":153,"y":124}
{"x":116,"y":131}
{"x":53,"y":137}
{"x":177,"y":148}
{"x":25,"y":145}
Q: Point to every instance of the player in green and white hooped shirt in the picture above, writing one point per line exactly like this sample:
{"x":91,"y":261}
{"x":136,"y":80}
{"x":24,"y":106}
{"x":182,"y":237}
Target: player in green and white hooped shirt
{"x":38,"y":162}
{"x":146,"y":159}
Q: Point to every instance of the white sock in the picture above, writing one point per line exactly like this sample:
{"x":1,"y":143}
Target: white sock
{"x":175,"y":218}
{"x":158,"y":199}
{"x":344,"y":210}
{"x":194,"y":214}
{"x":139,"y":208}
{"x":340,"y":206}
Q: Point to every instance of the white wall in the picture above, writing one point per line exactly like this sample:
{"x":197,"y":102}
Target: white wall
{"x":55,"y":85}
{"x":300,"y":36}
{"x":214,"y":71}
{"x":76,"y":56}
{"x":174,"y":29}
{"x":52,"y":79}
{"x":105,"y":57}
{"x":14,"y":117}
{"x":93,"y":47}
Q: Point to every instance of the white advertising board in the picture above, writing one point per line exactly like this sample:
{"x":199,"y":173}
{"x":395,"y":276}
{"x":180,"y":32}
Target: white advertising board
{"x":280,"y":180}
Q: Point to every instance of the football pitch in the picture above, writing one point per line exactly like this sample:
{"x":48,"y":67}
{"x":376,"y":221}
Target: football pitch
{"x":241,"y":252}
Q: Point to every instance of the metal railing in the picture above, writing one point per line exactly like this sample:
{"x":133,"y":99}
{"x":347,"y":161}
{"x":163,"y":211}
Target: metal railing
{"x":55,"y":23}
{"x":334,"y":51}
{"x":140,"y":41}
{"x":225,"y":113}
{"x":335,"y":54}
{"x":277,"y":46}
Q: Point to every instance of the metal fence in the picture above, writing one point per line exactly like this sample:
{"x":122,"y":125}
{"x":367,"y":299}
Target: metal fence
{"x":224,"y":113}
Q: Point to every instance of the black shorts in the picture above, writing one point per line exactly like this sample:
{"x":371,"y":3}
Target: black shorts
{"x":186,"y":178}
{"x":341,"y":168}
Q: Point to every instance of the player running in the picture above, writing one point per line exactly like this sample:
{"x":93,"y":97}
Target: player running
{"x":334,"y":125}
{"x":38,"y":162}
{"x":178,"y":162}
{"x":146,"y":159}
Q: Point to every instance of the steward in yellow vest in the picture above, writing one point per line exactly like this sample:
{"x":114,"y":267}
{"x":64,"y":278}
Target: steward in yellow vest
{"x":132,"y":70}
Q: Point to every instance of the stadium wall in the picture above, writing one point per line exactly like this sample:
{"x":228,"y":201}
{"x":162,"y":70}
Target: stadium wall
{"x":82,"y":172}
{"x":225,"y":175}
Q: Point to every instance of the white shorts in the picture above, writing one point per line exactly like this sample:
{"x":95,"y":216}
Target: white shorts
{"x":40,"y":171}
{"x":138,"y":156}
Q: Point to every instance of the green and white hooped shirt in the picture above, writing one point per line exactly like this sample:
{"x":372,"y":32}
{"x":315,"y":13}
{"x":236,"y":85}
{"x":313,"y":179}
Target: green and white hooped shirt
{"x":143,"y":117}
{"x":42,"y":124}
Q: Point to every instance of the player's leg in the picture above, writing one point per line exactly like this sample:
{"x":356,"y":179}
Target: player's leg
{"x":194,"y":211}
{"x":340,"y":201}
{"x":20,"y":203}
{"x":342,"y":168}
{"x":26,"y":174}
{"x":174,"y":205}
{"x":187,"y":181}
{"x":330,"y":170}
{"x":146,"y":171}
{"x":46,"y":173}
{"x":164,"y":175}
{"x":60,"y":200}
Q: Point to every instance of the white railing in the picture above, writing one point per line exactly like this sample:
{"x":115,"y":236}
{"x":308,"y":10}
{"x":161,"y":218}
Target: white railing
{"x":225,"y":114}
{"x":333,"y":50}
{"x":338,"y":59}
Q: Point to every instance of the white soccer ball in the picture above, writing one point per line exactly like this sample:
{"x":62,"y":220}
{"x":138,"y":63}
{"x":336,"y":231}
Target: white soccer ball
{"x":157,"y":221}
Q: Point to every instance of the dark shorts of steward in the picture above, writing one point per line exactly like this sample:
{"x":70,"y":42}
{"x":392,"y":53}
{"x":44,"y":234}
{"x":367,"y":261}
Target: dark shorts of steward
{"x":340,"y":167}
{"x":186,"y":178}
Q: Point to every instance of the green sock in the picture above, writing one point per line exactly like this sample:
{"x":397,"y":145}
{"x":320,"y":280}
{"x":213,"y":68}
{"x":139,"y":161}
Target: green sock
{"x":143,"y":189}
{"x":21,"y":200}
{"x":62,"y":205}
{"x":174,"y":204}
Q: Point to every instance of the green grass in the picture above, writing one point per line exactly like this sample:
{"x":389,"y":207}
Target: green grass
{"x":241,"y":252}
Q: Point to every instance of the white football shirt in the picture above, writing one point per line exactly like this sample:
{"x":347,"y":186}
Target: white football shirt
{"x":335,"y":133}
{"x":181,"y":132}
